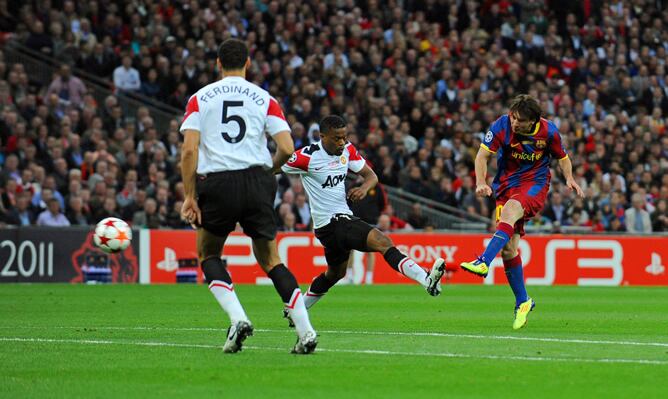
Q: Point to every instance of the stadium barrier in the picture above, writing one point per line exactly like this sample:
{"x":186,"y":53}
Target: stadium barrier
{"x":35,"y":254}
{"x":62,"y":255}
{"x":588,"y":260}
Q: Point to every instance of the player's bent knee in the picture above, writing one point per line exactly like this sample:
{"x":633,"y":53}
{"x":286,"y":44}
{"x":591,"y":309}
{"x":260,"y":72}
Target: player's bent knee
{"x":378,"y":242}
{"x":508,"y":253}
{"x":512,"y":211}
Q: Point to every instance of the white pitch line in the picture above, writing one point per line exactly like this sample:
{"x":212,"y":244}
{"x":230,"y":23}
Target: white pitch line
{"x":105,"y":342}
{"x":350,"y":351}
{"x":395,"y":333}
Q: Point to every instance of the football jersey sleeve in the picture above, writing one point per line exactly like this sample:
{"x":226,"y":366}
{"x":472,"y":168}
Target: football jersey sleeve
{"x":493,"y":139}
{"x":191,"y":119}
{"x":355,"y":160}
{"x":297,"y":164}
{"x":275,"y":122}
{"x":556,"y":146}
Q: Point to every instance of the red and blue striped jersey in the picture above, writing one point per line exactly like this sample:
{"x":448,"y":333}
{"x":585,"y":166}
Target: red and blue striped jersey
{"x":523,"y":161}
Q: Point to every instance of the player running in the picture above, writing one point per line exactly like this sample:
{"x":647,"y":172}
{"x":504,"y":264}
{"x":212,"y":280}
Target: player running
{"x":226,"y":173}
{"x":323,"y":167}
{"x":524,"y":144}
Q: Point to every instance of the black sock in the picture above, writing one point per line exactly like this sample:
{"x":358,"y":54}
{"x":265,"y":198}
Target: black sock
{"x":214,"y":269}
{"x":284,"y":282}
{"x":393,"y":257}
{"x":321,"y":284}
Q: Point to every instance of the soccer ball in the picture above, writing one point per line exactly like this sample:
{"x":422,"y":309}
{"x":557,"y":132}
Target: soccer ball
{"x":112,"y":235}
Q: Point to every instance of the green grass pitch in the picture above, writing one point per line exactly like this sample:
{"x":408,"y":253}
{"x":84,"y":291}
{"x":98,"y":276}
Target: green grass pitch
{"x":375,"y":342}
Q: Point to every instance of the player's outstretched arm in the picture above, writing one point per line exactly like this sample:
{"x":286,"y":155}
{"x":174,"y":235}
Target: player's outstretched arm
{"x":370,"y":181}
{"x":567,"y":169}
{"x":190,"y":212}
{"x":284,"y":148}
{"x":481,"y":160}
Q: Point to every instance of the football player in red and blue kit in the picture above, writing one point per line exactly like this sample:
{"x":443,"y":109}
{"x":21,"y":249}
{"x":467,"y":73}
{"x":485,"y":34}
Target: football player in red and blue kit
{"x":524,"y":144}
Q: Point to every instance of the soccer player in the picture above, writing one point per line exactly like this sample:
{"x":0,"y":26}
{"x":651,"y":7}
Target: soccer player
{"x":323,"y":167}
{"x":227,"y":176}
{"x":524,"y":143}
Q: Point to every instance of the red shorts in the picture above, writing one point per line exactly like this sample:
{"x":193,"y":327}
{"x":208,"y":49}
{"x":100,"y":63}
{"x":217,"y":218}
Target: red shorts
{"x":531,"y":204}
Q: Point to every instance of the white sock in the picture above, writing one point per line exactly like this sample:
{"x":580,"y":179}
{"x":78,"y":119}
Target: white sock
{"x":310,"y":299}
{"x":298,"y":313}
{"x":368,"y":277}
{"x":228,"y":300}
{"x":412,"y":270}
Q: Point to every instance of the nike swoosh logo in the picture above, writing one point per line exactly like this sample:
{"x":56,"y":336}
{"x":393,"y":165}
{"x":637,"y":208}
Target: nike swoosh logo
{"x":515,"y":145}
{"x":319,"y":168}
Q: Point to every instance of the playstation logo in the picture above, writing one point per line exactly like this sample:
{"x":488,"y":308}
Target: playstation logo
{"x":655,"y":268}
{"x":170,"y":263}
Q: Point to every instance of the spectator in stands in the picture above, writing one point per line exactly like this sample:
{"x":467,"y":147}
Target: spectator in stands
{"x":396,"y":223}
{"x":302,"y":212}
{"x":636,"y":217}
{"x":416,"y":218}
{"x":10,"y":169}
{"x":150,"y":86}
{"x":52,"y":215}
{"x":174,"y":220}
{"x":288,"y":222}
{"x":384,"y":223}
{"x":76,"y":212}
{"x":21,"y":214}
{"x":616,"y":226}
{"x":38,"y":40}
{"x":418,"y":82}
{"x":660,"y":216}
{"x":68,"y":88}
{"x":147,"y":218}
{"x":126,"y":78}
{"x":109,"y":209}
{"x":555,"y":209}
{"x":101,"y":61}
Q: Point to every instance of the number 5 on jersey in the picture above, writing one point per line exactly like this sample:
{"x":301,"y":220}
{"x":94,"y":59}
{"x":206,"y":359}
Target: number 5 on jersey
{"x":233,"y":118}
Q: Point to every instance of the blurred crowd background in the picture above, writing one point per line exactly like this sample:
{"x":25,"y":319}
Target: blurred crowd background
{"x":418,"y":82}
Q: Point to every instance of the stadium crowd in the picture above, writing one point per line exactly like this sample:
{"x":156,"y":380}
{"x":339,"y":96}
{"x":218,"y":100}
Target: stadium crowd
{"x":419,"y":82}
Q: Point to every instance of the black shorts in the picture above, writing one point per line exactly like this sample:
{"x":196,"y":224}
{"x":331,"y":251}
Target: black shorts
{"x":343,"y":233}
{"x":245,"y":196}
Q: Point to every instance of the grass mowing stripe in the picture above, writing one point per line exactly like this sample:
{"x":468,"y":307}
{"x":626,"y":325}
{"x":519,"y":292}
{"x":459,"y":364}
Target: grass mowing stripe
{"x":351,"y":351}
{"x":397,"y":333}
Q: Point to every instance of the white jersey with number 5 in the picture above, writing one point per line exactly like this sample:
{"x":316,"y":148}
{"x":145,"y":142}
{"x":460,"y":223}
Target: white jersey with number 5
{"x":324,"y":176}
{"x":232,"y":116}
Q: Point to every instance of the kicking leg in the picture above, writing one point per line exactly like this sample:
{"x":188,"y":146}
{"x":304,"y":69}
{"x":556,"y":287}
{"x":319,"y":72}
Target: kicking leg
{"x":511,"y":212}
{"x":209,"y":248}
{"x":286,"y":285}
{"x":512,"y":264}
{"x":379,"y":242}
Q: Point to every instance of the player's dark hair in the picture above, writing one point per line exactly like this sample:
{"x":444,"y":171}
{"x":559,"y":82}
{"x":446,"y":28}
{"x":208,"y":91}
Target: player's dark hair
{"x":331,"y":122}
{"x":526,"y":106}
{"x":233,"y":54}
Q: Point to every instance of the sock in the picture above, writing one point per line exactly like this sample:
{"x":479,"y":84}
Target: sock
{"x":319,"y":287}
{"x":499,"y":240}
{"x":515,"y":276}
{"x":406,"y":266}
{"x":286,"y":286}
{"x":368,"y":277}
{"x":228,"y":300}
{"x":220,"y":285}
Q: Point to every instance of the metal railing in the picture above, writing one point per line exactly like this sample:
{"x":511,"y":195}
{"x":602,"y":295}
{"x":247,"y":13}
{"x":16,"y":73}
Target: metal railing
{"x":442,"y":217}
{"x":41,"y":69}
